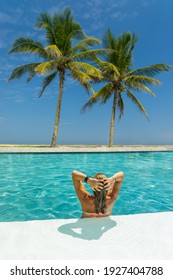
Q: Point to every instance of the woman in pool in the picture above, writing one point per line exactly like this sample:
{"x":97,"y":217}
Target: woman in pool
{"x":105,"y":190}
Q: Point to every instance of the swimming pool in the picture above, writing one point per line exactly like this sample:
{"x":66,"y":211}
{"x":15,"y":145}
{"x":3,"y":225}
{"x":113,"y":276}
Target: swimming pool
{"x":39,"y":186}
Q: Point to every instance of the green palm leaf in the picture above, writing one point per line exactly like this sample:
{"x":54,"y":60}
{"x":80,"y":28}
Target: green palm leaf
{"x":83,"y":79}
{"x":120,"y":104}
{"x":87,"y":87}
{"x":109,"y":70}
{"x":141,"y":79}
{"x":53,"y":51}
{"x":89,"y":69}
{"x":46,"y":67}
{"x":47,"y":80}
{"x":151,"y":70}
{"x":88,"y":54}
{"x":80,"y":76}
{"x":104,"y":92}
{"x":137,"y":102}
{"x":45,"y":22}
{"x":22,"y":45}
{"x":103,"y":95}
{"x":140,"y":83}
{"x":18,"y":72}
{"x":85,"y":43}
{"x":89,"y":104}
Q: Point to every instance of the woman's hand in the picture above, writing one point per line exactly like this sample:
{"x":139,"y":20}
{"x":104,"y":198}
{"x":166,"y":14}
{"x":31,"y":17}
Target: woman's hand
{"x":95,"y":184}
{"x":109,"y":183}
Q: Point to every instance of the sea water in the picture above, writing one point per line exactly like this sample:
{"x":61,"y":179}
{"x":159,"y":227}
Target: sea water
{"x":39,"y":186}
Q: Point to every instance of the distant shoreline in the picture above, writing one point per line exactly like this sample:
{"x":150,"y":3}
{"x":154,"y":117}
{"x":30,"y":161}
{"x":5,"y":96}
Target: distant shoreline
{"x":5,"y":148}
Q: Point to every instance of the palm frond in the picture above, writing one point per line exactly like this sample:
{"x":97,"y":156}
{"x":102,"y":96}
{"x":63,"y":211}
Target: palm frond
{"x":80,"y":76}
{"x":65,"y":36}
{"x":120,"y":104}
{"x":122,"y":47}
{"x":31,"y":75}
{"x":108,"y":93}
{"x":125,"y":45}
{"x":104,"y":92}
{"x":85,"y":43}
{"x":141,"y":83}
{"x":18,"y":72}
{"x":89,"y":104}
{"x":66,"y":15}
{"x":46,"y":67}
{"x":88,"y":68}
{"x":66,"y":29}
{"x":88,"y":88}
{"x":137,"y":102}
{"x":53,"y":51}
{"x":109,"y":40}
{"x":127,"y":42}
{"x":45,"y":21}
{"x":102,"y":95}
{"x":151,"y":70}
{"x":22,"y":45}
{"x":71,"y":27}
{"x":47,"y":80}
{"x":145,"y":80}
{"x":88,"y":54}
{"x":109,"y":70}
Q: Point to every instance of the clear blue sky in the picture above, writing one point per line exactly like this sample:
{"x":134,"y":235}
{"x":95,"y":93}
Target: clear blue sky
{"x":26,"y":119}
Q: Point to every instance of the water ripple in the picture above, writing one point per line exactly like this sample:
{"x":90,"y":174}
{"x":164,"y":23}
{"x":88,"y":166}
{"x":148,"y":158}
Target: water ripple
{"x":39,"y":186}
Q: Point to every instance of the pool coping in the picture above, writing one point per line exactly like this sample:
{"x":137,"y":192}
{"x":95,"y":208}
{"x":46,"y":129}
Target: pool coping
{"x":83,"y":148}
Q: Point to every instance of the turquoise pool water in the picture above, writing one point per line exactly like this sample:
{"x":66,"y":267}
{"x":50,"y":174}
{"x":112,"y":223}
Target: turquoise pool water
{"x":39,"y":186}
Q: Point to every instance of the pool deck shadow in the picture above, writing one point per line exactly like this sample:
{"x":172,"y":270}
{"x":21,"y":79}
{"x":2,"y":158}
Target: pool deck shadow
{"x":128,"y":237}
{"x":93,"y":229}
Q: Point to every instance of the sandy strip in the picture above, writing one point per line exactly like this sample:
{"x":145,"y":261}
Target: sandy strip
{"x":142,"y":236}
{"x":82,"y":148}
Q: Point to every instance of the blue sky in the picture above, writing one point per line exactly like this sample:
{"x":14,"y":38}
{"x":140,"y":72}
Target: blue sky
{"x":27,"y":119}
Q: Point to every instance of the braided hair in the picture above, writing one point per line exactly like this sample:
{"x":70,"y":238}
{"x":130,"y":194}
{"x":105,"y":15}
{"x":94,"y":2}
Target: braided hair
{"x":100,"y":196}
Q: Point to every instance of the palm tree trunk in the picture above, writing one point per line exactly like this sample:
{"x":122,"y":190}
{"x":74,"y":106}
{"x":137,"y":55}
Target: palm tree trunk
{"x":58,"y":109}
{"x":111,"y":135}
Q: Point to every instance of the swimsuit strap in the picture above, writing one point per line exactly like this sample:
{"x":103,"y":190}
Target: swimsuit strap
{"x":95,"y":214}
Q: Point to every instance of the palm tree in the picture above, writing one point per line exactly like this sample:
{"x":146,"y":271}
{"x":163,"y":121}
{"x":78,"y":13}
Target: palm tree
{"x":65,"y":53}
{"x":119,"y":77}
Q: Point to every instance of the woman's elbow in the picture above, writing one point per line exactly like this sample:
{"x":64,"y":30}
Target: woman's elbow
{"x":73,"y":174}
{"x":121,"y":175}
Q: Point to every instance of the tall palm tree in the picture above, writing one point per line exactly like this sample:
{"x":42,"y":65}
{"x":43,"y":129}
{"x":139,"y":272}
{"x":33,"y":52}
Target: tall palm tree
{"x":119,"y":77}
{"x":65,"y":53}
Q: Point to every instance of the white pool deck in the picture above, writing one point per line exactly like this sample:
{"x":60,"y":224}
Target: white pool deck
{"x":128,"y":237}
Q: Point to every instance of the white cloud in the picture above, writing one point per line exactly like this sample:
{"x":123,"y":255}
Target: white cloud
{"x":146,"y":3}
{"x":4,"y":17}
{"x":99,"y":12}
{"x":11,"y":17}
{"x":60,"y":6}
{"x":119,"y":15}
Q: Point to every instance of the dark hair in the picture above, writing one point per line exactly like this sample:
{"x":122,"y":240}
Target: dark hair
{"x":100,"y":196}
